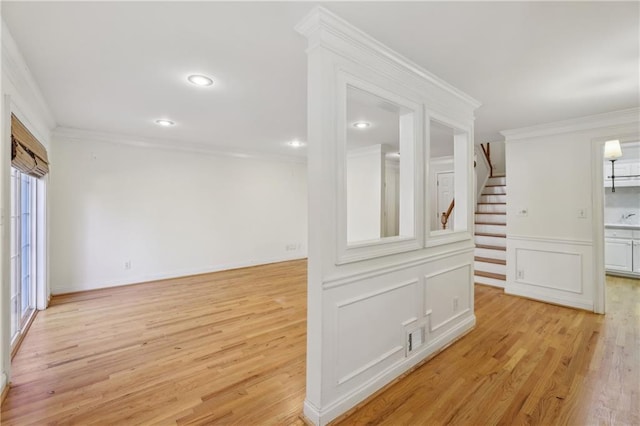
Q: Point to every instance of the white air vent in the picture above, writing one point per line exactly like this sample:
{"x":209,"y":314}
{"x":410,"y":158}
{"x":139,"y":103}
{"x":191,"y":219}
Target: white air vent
{"x":415,"y":338}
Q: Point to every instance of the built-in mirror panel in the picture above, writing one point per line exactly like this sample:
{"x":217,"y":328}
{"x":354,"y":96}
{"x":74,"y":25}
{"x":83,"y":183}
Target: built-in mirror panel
{"x":378,"y":168}
{"x":447,"y":187}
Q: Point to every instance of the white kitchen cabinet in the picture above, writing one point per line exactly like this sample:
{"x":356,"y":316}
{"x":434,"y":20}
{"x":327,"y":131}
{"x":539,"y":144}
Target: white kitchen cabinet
{"x":636,"y":256}
{"x":618,"y":254}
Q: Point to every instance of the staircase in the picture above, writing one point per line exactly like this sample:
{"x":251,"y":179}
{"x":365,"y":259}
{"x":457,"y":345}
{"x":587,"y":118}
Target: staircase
{"x":491,"y":234}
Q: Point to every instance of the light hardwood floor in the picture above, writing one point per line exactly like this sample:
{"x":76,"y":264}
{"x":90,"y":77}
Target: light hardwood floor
{"x":229,"y":348}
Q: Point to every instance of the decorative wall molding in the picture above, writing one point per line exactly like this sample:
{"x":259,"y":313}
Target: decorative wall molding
{"x":67,"y":133}
{"x":553,"y":240}
{"x":541,"y":273}
{"x":378,"y":292}
{"x":609,"y":119}
{"x":378,"y":360}
{"x":15,"y":68}
{"x":319,"y":17}
{"x":338,"y":281}
{"x":359,"y":394}
{"x":579,"y":290}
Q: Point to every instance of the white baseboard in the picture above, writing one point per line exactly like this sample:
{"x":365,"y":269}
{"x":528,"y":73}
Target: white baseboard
{"x":55,"y":289}
{"x":322,"y":417}
{"x":3,"y":383}
{"x":574,"y":302}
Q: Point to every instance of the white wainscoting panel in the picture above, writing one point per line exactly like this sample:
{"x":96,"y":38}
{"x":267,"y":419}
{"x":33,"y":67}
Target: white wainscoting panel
{"x":447,"y":296}
{"x":553,"y":270}
{"x":563,"y":270}
{"x":368,"y":339}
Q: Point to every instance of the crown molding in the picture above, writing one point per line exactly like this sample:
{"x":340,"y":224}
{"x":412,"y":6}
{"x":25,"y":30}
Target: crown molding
{"x":320,"y":19}
{"x":15,"y":68}
{"x":590,"y":122}
{"x":72,"y":134}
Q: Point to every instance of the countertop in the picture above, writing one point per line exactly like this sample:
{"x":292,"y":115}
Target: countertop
{"x":622,"y":226}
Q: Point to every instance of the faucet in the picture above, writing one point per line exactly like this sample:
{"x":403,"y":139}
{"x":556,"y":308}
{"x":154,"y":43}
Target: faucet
{"x":627,"y":216}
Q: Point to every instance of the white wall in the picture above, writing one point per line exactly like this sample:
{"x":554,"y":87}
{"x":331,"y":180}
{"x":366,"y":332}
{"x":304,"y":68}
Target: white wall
{"x":364,"y":189}
{"x":554,"y":173}
{"x":168,"y":212}
{"x":20,"y":96}
{"x":364,"y":300}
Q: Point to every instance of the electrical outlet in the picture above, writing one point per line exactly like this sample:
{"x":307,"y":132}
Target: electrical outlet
{"x":582,"y":213}
{"x":455,"y":303}
{"x":520,"y":274}
{"x":127,"y":264}
{"x":291,"y":247}
{"x":522,"y":212}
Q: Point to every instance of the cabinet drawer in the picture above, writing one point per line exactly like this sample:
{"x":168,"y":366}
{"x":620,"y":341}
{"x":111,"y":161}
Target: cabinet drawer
{"x":619,"y":233}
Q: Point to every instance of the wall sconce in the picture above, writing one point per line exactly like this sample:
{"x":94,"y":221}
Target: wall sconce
{"x":612,"y":151}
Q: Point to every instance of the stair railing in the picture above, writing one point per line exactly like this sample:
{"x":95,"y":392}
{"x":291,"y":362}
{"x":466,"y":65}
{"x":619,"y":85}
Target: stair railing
{"x":444,"y":218}
{"x":487,"y":154}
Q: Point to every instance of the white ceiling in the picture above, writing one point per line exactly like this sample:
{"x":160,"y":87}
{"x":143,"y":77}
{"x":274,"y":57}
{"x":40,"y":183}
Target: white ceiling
{"x":116,"y":67}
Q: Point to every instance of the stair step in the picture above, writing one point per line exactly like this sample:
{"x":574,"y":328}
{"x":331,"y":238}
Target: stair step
{"x":488,"y":260}
{"x":497,"y":180}
{"x":484,"y":234}
{"x":491,"y":223}
{"x":491,"y":229}
{"x":490,"y":241}
{"x":490,"y":254}
{"x":489,"y":281}
{"x":486,"y":202}
{"x":492,"y":268}
{"x":493,"y":198}
{"x":494,"y":190}
{"x":491,"y":212}
{"x":485,"y":246}
{"x":491,"y":208}
{"x":493,"y":275}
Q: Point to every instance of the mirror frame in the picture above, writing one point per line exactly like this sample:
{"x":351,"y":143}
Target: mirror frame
{"x":354,"y":252}
{"x":441,"y":237}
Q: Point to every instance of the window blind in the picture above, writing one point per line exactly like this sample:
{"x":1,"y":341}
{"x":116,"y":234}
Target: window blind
{"x":27,"y":154}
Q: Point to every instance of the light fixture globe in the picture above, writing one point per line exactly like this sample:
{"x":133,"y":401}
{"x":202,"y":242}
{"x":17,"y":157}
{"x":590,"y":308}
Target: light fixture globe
{"x":165,"y":123}
{"x":612,"y":149}
{"x":361,"y":124}
{"x":200,"y":80}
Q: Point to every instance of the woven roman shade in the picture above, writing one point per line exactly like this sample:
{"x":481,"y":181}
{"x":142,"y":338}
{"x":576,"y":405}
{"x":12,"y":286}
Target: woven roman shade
{"x":27,"y":154}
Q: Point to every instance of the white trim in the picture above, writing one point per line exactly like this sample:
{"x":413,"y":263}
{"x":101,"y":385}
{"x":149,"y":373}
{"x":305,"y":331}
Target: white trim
{"x":80,"y":135}
{"x":520,"y":290}
{"x":388,"y":354}
{"x":369,"y":295}
{"x":321,"y":18}
{"x":140,"y":279}
{"x":591,"y":122}
{"x":527,"y":282}
{"x":553,"y":240}
{"x":362,"y":392}
{"x":338,"y":281}
{"x":15,"y":68}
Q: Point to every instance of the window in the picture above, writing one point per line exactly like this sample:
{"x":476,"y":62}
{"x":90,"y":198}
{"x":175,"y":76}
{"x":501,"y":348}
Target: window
{"x":23,"y":265}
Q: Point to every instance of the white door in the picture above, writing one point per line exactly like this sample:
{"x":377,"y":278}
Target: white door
{"x":617,"y":254}
{"x":446,"y":192}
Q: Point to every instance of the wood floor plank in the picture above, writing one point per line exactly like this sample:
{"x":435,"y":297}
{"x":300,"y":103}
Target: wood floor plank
{"x":229,"y":348}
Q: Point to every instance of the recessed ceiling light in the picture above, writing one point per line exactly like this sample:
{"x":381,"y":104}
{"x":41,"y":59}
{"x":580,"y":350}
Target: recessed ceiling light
{"x":361,"y":124}
{"x":296,"y":143}
{"x":200,"y":80}
{"x":165,"y":123}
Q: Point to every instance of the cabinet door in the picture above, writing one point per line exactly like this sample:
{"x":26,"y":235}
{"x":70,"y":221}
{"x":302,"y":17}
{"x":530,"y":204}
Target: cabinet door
{"x":636,"y":256}
{"x":617,"y":254}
